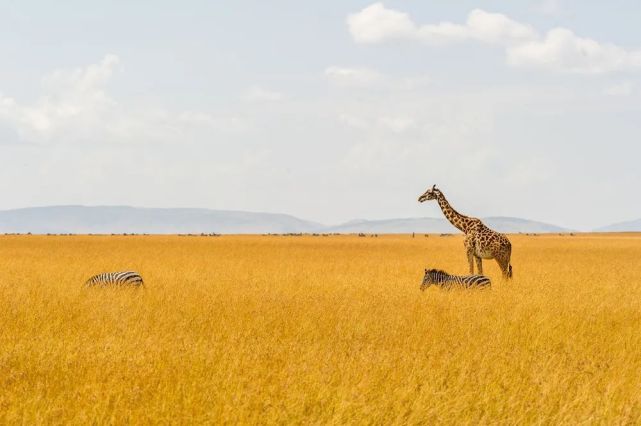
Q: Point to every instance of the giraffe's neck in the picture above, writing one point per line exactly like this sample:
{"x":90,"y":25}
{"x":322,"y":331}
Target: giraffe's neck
{"x":460,"y":221}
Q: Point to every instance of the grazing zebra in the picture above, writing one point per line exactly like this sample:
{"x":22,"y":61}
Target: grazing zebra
{"x":115,"y":278}
{"x":445,"y":280}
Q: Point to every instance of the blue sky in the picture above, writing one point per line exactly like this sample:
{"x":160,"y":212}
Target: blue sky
{"x":329,"y":111}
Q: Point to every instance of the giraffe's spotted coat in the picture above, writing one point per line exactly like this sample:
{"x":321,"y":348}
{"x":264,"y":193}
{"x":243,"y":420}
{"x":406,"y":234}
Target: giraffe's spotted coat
{"x":481,"y":242}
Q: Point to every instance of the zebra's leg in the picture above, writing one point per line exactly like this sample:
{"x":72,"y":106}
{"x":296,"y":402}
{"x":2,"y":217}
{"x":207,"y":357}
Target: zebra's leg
{"x":479,"y":265}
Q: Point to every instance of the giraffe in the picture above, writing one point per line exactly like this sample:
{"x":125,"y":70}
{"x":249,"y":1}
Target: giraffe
{"x":480,"y":241}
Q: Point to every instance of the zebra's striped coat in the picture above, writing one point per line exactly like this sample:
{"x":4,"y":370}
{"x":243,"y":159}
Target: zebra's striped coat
{"x":445,"y":280}
{"x":115,"y":278}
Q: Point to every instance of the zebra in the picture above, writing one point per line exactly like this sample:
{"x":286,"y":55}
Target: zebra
{"x":115,"y":278}
{"x":445,"y":280}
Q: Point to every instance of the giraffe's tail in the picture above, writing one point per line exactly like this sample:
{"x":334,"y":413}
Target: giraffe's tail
{"x":509,"y":270}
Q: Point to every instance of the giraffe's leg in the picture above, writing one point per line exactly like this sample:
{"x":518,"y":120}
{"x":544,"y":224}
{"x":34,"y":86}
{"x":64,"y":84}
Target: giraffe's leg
{"x":504,"y":264}
{"x":470,"y":260}
{"x":469,"y":250}
{"x":479,"y":265}
{"x":508,"y":257}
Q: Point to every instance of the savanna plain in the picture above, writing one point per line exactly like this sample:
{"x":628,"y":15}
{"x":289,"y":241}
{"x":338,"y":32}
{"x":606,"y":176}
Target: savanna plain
{"x":292,"y":330}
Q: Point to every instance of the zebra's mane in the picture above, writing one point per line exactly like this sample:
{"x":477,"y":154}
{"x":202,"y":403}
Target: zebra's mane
{"x":436,"y":271}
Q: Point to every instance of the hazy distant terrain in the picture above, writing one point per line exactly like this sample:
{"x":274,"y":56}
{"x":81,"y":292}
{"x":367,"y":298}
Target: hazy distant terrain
{"x":123,"y":219}
{"x":629,"y":226}
{"x":396,"y":226}
{"x":441,"y":225}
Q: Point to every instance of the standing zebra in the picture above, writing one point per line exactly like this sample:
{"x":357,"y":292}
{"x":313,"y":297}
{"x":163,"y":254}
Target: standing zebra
{"x":445,"y":280}
{"x":115,"y":278}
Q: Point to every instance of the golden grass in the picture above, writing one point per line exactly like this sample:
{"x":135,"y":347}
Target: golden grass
{"x":249,"y":329}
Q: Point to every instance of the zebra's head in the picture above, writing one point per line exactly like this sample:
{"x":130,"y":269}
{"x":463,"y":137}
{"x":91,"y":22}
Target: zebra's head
{"x":428,"y":279}
{"x":430,"y":194}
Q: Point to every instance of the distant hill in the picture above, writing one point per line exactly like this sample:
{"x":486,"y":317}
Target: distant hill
{"x":123,"y":219}
{"x":515,"y":225}
{"x":629,"y":226}
{"x":432,"y":225}
{"x":425,"y":225}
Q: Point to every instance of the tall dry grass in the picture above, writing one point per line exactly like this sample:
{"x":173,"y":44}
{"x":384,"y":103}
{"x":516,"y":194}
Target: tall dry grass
{"x":318,"y":330}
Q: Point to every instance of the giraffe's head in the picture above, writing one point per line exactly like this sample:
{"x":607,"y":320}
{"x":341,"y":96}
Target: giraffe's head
{"x":430,"y":194}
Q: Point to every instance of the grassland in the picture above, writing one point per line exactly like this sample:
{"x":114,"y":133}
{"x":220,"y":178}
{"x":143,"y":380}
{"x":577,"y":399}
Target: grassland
{"x":252,"y":329}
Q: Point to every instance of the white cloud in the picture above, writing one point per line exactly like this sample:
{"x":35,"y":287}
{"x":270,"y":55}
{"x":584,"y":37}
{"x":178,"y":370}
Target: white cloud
{"x":376,"y":24}
{"x":83,"y":80}
{"x":72,"y":98}
{"x":259,"y":94}
{"x":76,"y":107}
{"x":562,"y":50}
{"x":558,"y":50}
{"x":497,"y":28}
